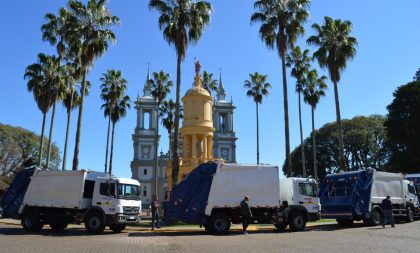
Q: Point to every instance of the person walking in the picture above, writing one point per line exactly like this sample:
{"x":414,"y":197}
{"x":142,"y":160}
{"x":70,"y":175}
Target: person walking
{"x":387,"y":210}
{"x":155,"y":212}
{"x":246,"y":214}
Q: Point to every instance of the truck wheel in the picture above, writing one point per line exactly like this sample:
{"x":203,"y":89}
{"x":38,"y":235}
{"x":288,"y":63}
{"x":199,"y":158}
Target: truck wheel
{"x":297,"y":221}
{"x":281,"y":226}
{"x":376,"y":217}
{"x":410,"y":214}
{"x":345,"y":222}
{"x":117,"y":228}
{"x":94,"y":223}
{"x":30,"y":222}
{"x":219,"y":223}
{"x":58,"y":226}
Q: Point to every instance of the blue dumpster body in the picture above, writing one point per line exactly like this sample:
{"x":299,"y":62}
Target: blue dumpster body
{"x":14,"y":195}
{"x":188,"y":199}
{"x":346,"y":195}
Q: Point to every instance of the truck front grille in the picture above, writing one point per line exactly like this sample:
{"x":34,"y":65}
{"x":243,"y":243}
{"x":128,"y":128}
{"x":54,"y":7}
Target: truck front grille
{"x":131,"y":209}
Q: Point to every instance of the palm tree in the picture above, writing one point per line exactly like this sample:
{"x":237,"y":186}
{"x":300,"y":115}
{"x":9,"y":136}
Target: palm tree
{"x":167,"y":112}
{"x":300,"y":62}
{"x":335,"y":48}
{"x":47,"y":72}
{"x":257,"y":88}
{"x":313,"y":91}
{"x":282,"y":23}
{"x":209,"y":83}
{"x":161,"y":87}
{"x":71,"y":101}
{"x":118,"y":111}
{"x":89,"y":33}
{"x":112,"y":89}
{"x":42,"y":95}
{"x":182,"y":22}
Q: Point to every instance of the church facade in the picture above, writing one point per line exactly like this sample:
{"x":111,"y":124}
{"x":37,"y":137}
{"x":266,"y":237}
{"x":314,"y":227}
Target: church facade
{"x":145,"y":132}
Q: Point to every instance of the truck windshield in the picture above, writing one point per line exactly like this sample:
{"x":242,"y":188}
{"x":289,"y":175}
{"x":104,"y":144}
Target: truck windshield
{"x":308,"y":189}
{"x":128,"y":191}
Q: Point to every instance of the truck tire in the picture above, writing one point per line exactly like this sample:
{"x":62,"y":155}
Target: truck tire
{"x":30,"y":222}
{"x":58,"y":226}
{"x":376,"y":217}
{"x":409,"y":214}
{"x":94,"y":223}
{"x":297,"y":221}
{"x":281,"y":226}
{"x":219,"y":223}
{"x":345,"y":222}
{"x":117,"y":228}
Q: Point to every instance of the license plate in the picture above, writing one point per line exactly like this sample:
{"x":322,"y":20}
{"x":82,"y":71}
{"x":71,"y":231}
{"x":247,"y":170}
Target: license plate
{"x":132,"y":218}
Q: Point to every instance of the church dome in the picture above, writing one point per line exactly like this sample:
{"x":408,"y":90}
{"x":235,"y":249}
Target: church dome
{"x":197,"y":91}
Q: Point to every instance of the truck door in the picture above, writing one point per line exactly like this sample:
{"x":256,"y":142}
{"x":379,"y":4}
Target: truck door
{"x":307,"y":196}
{"x":104,"y":196}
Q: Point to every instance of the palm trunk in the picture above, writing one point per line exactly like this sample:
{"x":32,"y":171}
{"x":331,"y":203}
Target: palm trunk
{"x":67,"y":129}
{"x":112,"y":149}
{"x":155,"y":181}
{"x":340,"y":129}
{"x":175,"y":163}
{"x":79,"y":123}
{"x":170,"y":143}
{"x":258,"y":137}
{"x":107,"y":144}
{"x":314,"y":144}
{"x":286,"y":117}
{"x":41,"y":142}
{"x":302,"y":148}
{"x":51,"y":132}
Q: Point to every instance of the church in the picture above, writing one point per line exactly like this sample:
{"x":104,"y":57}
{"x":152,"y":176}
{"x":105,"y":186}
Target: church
{"x":221,"y":140}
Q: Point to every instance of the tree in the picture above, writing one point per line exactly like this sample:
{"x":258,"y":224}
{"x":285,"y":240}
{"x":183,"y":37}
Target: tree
{"x":258,"y":87}
{"x":364,"y":147}
{"x":402,"y":127}
{"x":167,"y":112}
{"x":281,"y":25}
{"x":19,"y":148}
{"x":300,"y":62}
{"x":112,"y":90}
{"x":161,"y":87}
{"x":313,"y":91}
{"x":209,"y":83}
{"x":71,"y":101}
{"x":416,"y":77}
{"x":89,"y":35}
{"x":46,"y":81}
{"x":335,"y":48}
{"x":182,"y":22}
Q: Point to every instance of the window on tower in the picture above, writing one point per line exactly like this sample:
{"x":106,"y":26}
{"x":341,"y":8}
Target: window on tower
{"x":146,"y":120}
{"x":223,"y":122}
{"x":145,"y":172}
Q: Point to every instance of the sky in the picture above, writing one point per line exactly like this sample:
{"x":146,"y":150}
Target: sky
{"x":387,"y":57}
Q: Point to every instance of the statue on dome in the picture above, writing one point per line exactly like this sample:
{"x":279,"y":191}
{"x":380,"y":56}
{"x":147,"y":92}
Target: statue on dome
{"x":197,"y":68}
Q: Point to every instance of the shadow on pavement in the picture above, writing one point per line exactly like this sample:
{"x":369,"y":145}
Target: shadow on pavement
{"x":48,"y":232}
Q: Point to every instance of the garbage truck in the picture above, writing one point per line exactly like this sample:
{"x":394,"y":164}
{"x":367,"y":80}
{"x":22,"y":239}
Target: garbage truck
{"x":39,"y":197}
{"x":211,"y":194}
{"x":357,"y":195}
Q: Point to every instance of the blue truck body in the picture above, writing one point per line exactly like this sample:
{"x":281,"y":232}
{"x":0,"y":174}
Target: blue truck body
{"x":346,"y":195}
{"x":13,"y":197}
{"x":188,"y":199}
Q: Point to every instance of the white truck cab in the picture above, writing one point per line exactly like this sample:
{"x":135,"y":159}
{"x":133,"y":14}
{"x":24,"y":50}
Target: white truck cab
{"x":301,"y":192}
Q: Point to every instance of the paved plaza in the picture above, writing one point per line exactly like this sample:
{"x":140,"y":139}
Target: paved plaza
{"x":319,"y":238}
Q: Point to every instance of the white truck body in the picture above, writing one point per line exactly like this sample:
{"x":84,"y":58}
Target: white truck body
{"x":232,"y":182}
{"x":385,"y":184}
{"x":62,"y":189}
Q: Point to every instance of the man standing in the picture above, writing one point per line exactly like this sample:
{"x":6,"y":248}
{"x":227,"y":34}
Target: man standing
{"x":155,"y":212}
{"x":246,"y":214}
{"x":387,"y":210}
